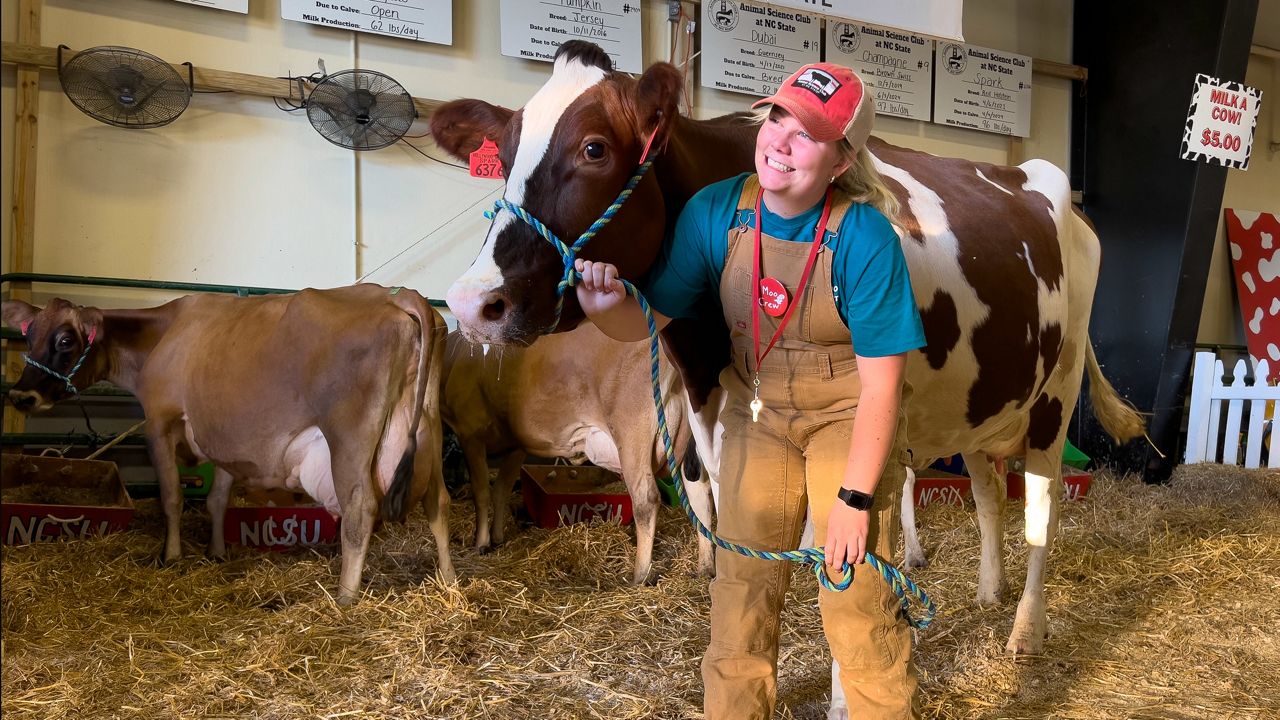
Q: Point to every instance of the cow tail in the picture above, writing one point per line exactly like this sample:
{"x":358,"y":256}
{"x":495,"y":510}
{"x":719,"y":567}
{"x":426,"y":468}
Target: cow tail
{"x":1118,"y":417}
{"x":394,"y":503}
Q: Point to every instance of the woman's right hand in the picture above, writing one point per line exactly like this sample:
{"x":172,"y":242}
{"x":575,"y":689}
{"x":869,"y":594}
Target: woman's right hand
{"x":599,"y":290}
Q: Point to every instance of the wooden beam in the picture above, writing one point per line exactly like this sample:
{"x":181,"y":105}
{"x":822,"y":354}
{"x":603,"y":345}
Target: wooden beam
{"x":1057,"y":69}
{"x":205,"y":79}
{"x":26,"y":114}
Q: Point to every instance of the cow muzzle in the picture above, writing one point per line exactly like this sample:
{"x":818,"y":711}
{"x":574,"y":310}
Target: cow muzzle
{"x":483,"y":315}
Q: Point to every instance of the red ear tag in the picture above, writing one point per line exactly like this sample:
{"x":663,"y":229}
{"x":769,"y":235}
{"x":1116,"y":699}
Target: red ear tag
{"x":484,"y":161}
{"x":773,"y":297}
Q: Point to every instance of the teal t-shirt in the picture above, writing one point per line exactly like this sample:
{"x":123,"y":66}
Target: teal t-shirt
{"x":870,"y":280}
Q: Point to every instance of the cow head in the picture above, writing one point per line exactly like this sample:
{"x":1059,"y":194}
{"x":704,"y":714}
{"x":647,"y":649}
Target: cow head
{"x":58,"y":337}
{"x":565,"y":156}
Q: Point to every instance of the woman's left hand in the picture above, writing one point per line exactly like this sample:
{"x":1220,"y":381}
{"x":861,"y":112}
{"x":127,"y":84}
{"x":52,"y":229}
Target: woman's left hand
{"x":846,"y":535}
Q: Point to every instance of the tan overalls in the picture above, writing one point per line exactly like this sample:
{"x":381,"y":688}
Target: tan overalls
{"x":810,"y":387}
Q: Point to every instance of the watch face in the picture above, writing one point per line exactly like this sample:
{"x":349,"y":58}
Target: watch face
{"x":856,"y":500}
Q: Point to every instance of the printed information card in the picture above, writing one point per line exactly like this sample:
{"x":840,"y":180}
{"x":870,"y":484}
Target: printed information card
{"x":424,"y":20}
{"x":751,"y":48}
{"x":982,"y":89}
{"x":236,"y":6}
{"x":1221,"y":122}
{"x":534,"y":29}
{"x":896,"y":65}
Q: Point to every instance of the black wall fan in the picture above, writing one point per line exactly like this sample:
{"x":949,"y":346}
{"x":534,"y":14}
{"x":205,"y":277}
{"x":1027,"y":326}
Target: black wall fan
{"x":124,"y":87}
{"x":360,"y":109}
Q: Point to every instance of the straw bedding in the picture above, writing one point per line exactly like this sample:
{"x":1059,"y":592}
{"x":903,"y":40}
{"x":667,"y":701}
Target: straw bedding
{"x":1162,"y":604}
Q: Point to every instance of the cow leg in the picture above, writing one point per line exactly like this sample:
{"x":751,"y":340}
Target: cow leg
{"x":508,"y":471}
{"x":699,"y":494}
{"x":913,"y":554}
{"x":644,"y":510}
{"x":1043,"y":495}
{"x":165,"y":462}
{"x":435,"y":503}
{"x":478,"y":469}
{"x":353,"y":482}
{"x":216,"y":503}
{"x":990,"y":492}
{"x":839,"y":709}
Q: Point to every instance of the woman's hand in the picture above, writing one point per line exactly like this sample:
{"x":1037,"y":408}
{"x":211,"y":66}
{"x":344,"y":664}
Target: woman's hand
{"x":599,"y":291}
{"x":846,"y":535}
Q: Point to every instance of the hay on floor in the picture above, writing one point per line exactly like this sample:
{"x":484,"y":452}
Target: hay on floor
{"x":1162,"y":604}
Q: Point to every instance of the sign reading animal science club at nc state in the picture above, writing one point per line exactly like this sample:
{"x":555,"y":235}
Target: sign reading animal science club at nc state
{"x":751,"y":48}
{"x":424,"y":20}
{"x":1220,"y":122}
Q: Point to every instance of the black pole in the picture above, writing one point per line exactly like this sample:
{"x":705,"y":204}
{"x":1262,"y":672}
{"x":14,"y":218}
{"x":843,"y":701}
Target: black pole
{"x":1156,"y":214}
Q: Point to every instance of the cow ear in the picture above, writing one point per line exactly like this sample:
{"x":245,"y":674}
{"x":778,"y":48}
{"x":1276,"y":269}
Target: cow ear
{"x":461,"y":126}
{"x":91,"y":324}
{"x":658,"y":101}
{"x":17,"y":314}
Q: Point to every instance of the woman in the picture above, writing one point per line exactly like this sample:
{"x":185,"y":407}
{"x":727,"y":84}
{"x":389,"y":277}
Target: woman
{"x":818,"y":302}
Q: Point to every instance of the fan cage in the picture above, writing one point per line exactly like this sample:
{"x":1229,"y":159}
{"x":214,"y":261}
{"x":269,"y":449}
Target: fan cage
{"x":360,"y":109}
{"x":124,"y":87}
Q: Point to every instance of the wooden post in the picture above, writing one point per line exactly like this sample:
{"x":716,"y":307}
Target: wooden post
{"x":27,"y":111}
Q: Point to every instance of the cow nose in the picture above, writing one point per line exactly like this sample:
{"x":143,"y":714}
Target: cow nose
{"x":23,"y":400}
{"x":494,"y":307}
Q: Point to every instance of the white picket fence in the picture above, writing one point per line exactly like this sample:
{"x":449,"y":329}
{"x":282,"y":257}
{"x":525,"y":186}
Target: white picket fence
{"x":1245,"y":404}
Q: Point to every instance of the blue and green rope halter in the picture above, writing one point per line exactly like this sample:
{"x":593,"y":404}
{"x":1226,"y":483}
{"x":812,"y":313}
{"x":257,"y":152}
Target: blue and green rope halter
{"x":569,"y":253}
{"x":71,"y":387}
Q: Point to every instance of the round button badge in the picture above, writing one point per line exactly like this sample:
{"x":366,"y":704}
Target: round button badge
{"x":773,"y":297}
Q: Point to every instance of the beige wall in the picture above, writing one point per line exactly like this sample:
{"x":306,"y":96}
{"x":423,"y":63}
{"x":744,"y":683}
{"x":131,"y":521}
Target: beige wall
{"x":236,"y":191}
{"x":1257,"y":188}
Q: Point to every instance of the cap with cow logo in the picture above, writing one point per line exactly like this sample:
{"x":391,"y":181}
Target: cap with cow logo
{"x":829,"y":100}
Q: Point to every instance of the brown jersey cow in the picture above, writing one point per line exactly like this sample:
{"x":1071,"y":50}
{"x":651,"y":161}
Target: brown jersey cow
{"x":580,"y":396}
{"x":328,"y":391}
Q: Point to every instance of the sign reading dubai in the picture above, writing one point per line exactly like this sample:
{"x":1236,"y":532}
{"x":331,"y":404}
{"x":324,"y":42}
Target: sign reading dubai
{"x":897,"y":65}
{"x":535,"y":30}
{"x":1220,"y":122}
{"x":425,"y":20}
{"x":982,"y":89}
{"x":751,"y":48}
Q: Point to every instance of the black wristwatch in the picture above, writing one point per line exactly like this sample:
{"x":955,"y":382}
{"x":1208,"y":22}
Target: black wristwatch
{"x":855,"y":499}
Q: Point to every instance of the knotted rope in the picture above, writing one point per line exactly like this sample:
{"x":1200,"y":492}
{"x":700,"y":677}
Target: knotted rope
{"x":71,"y":388}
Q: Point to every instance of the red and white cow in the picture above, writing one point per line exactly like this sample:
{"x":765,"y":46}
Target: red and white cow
{"x":329,"y":391}
{"x":578,"y":395}
{"x":1002,"y":265}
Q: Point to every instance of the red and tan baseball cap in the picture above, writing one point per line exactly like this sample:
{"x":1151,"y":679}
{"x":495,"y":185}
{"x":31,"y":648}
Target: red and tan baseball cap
{"x":829,"y":100}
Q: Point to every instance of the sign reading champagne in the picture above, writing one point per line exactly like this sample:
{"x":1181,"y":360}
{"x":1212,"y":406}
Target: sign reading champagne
{"x":751,"y":48}
{"x":897,"y":65}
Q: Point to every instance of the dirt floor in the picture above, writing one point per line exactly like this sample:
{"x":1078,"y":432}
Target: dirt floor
{"x":1162,"y":604}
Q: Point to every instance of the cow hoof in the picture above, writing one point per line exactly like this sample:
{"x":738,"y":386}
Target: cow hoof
{"x":212,"y":556}
{"x":1026,"y":643}
{"x":916,"y":562}
{"x":841,"y":713}
{"x":484,"y":549}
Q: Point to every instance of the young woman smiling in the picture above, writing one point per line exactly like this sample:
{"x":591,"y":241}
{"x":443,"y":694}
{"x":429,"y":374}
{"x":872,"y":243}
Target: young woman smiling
{"x":814,"y":289}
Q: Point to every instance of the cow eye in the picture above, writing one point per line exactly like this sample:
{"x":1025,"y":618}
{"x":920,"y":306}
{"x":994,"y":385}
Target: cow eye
{"x":594,"y":150}
{"x":64,"y":342}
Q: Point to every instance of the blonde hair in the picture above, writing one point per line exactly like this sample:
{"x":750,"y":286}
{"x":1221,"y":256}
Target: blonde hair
{"x":864,"y":182}
{"x":861,"y":181}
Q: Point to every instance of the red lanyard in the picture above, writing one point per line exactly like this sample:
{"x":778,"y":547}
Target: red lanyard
{"x":804,"y":279}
